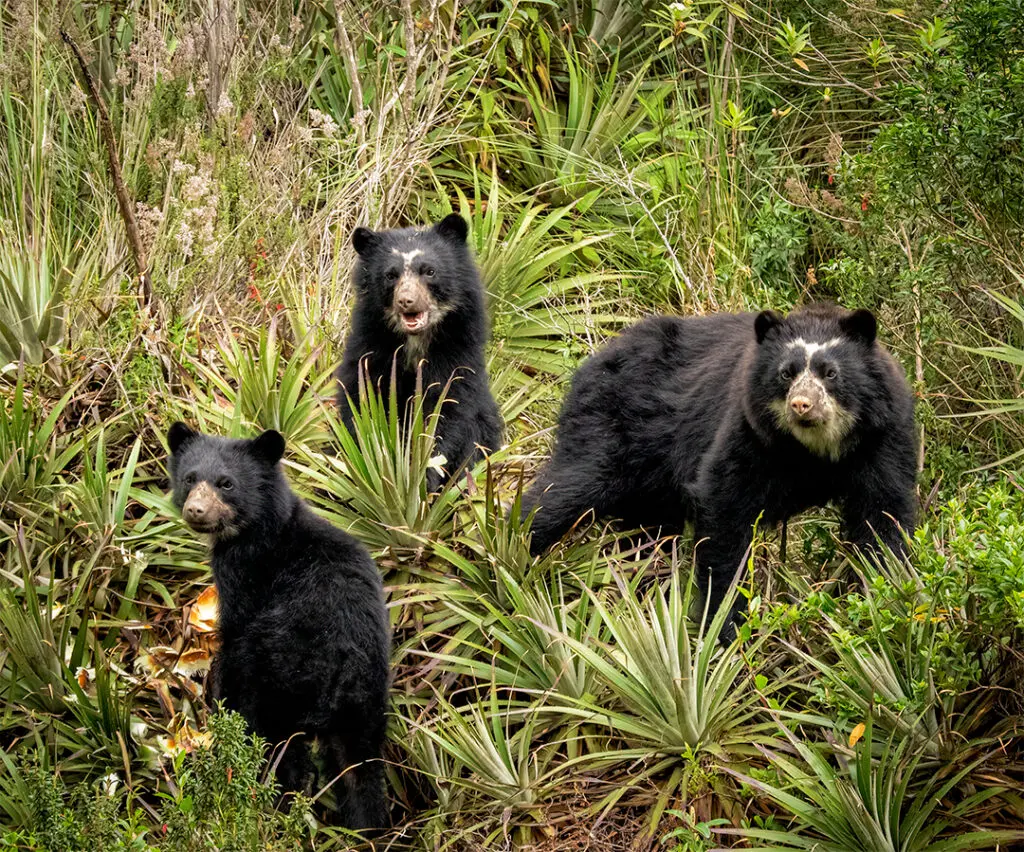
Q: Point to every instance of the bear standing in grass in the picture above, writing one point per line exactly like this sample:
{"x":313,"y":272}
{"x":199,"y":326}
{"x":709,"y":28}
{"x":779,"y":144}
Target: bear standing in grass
{"x":718,"y":419}
{"x":304,"y":633}
{"x":419,"y":302}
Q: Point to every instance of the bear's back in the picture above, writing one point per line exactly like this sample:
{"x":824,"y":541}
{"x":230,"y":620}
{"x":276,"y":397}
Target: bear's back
{"x":666,"y":362}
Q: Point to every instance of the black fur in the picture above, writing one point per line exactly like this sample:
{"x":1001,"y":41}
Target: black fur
{"x":456,"y":344}
{"x":670,"y":423}
{"x":304,"y":633}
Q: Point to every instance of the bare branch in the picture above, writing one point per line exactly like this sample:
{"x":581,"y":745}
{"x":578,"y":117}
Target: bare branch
{"x":343,"y":44}
{"x":412,"y":60}
{"x":124,"y":201}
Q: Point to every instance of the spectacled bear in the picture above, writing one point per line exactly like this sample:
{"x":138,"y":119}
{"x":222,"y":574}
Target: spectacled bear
{"x":304,"y":633}
{"x":715,"y":420}
{"x":419,"y":302}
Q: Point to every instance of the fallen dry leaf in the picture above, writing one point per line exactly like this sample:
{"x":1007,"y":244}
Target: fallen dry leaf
{"x":156,"y":660}
{"x":203,"y":614}
{"x":184,"y":739}
{"x":857,"y":733}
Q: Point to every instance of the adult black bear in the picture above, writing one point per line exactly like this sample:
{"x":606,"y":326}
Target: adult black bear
{"x":304,"y":632}
{"x":418,"y":291}
{"x":717,"y":419}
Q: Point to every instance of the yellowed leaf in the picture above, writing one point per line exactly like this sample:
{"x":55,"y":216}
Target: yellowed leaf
{"x":189,"y":739}
{"x":857,"y":733}
{"x":193,"y":661}
{"x":155,"y":660}
{"x":203,"y":614}
{"x":800,"y":63}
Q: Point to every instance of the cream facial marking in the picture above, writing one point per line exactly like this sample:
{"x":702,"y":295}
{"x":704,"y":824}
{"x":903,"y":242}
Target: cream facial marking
{"x":824,"y":438}
{"x":809,"y":412}
{"x":811,"y":348}
{"x":407,"y":256}
{"x":205,"y":512}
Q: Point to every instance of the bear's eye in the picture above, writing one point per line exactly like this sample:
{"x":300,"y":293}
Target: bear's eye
{"x":225,"y":484}
{"x":428,"y":271}
{"x":831,"y":373}
{"x":190,"y":479}
{"x":392,"y":275}
{"x":786,"y":374}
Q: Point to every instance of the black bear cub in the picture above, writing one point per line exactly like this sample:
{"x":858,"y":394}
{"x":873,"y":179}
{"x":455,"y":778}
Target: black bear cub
{"x":420,"y":303}
{"x":304,"y":633}
{"x":715,"y":420}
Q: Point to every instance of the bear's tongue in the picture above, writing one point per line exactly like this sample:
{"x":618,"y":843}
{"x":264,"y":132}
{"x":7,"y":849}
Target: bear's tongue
{"x":414,"y":321}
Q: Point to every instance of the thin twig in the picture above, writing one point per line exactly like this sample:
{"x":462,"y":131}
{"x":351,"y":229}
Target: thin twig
{"x":124,"y":201}
{"x":412,"y":61}
{"x":343,"y":44}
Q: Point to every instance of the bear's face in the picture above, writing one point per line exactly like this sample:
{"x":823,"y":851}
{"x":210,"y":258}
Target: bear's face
{"x":223,"y":486}
{"x":413,"y":278}
{"x":811,"y":373}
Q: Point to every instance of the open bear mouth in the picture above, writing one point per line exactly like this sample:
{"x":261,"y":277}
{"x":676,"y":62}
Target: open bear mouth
{"x":414,"y":322}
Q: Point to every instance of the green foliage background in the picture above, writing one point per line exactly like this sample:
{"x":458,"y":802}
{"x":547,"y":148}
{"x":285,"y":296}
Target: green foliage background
{"x":614,"y":160}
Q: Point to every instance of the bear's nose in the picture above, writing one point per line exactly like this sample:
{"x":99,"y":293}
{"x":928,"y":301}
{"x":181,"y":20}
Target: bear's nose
{"x":405,"y":301}
{"x":194,"y":512}
{"x":801,"y":405}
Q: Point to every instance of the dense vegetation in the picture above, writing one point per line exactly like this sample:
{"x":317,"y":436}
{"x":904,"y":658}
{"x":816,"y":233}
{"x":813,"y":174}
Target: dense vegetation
{"x":614,"y":159}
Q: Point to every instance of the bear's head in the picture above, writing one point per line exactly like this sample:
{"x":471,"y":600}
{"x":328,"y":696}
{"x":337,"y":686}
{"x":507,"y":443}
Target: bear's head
{"x":814,"y":371}
{"x":415,"y":277}
{"x":224,"y":487}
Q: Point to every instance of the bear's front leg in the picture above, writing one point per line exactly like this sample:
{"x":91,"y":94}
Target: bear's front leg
{"x":882,"y":506}
{"x":730,"y":493}
{"x":295,"y":770}
{"x":721,"y":548}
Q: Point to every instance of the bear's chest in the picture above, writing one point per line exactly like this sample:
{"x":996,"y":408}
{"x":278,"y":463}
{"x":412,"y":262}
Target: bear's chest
{"x":794,"y":482}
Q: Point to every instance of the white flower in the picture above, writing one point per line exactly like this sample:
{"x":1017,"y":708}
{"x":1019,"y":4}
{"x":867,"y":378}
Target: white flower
{"x":185,"y":238}
{"x":224,"y":105}
{"x":323,"y":121}
{"x":110,"y":783}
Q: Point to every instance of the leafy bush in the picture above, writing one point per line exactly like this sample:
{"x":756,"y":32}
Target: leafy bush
{"x":221,"y":798}
{"x":224,"y":797}
{"x":954,"y":147}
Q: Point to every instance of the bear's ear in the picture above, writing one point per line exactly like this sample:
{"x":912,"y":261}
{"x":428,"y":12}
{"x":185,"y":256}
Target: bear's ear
{"x":452,"y":228}
{"x":364,"y":240}
{"x":180,"y":434}
{"x":860,"y":324}
{"x":765,"y":322}
{"x":268,"y":447}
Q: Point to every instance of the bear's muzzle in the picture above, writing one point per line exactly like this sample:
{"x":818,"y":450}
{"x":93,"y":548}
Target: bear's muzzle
{"x":205,"y":512}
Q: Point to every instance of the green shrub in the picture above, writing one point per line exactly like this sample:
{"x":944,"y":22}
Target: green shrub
{"x":954,"y":148}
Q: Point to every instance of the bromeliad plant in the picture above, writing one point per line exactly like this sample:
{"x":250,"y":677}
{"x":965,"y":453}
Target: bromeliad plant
{"x":502,"y":768}
{"x":546,"y":305}
{"x":882,"y":797}
{"x":57,"y":681}
{"x":586,"y":128}
{"x":374,"y":482}
{"x":262,"y":387}
{"x":668,"y":691}
{"x":33,"y":451}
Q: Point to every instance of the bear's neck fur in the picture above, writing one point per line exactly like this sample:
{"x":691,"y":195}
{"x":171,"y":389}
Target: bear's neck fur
{"x":247,"y":565}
